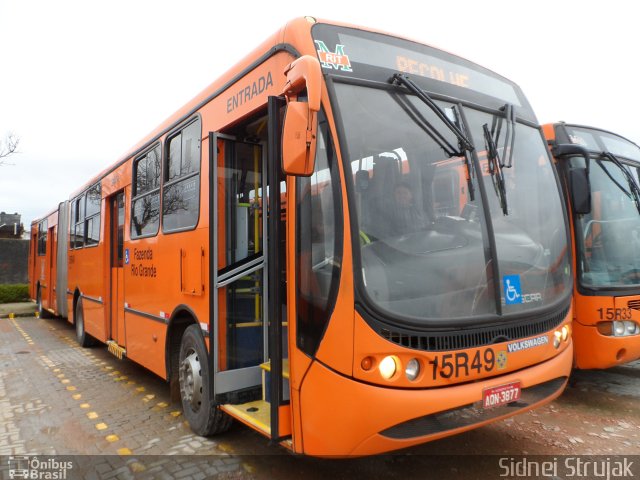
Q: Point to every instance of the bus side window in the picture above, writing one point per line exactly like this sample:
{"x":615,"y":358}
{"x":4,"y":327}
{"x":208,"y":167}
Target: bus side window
{"x":145,"y":205}
{"x":92,"y":215}
{"x":72,"y":226}
{"x":79,"y":222}
{"x":181,"y":192}
{"x":318,"y":244}
{"x":42,"y":238}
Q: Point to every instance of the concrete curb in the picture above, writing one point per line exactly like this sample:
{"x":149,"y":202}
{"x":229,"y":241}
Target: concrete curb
{"x":18,"y":309}
{"x":19,"y":315}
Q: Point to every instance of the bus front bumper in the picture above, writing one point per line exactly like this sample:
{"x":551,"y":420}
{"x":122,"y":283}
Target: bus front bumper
{"x":342,"y":417}
{"x":597,"y":351}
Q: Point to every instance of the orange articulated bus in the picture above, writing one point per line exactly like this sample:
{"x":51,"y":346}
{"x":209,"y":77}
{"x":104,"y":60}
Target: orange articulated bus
{"x":47,"y":283}
{"x":351,"y":242}
{"x":599,"y":172}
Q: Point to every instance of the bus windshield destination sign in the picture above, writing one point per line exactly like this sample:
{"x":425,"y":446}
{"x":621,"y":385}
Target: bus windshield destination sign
{"x":353,"y":49}
{"x":595,"y":140}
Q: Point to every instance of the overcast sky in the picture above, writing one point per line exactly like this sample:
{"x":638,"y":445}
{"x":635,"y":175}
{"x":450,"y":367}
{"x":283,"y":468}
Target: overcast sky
{"x":83,"y":81}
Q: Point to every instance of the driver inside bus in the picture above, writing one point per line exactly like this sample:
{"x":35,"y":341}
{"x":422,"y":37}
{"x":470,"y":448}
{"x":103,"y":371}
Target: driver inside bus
{"x":406,"y":216}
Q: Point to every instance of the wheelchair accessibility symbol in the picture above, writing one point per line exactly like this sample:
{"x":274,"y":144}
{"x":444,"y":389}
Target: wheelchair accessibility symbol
{"x":512,"y":290}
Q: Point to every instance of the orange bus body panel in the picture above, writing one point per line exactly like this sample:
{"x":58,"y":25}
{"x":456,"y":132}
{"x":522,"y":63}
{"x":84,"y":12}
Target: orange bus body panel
{"x":337,"y":346}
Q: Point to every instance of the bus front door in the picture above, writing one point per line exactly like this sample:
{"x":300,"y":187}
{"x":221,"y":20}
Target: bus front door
{"x":239,"y":276}
{"x":117,"y":341}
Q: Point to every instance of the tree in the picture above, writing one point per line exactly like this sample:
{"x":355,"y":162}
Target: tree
{"x":8,"y":146}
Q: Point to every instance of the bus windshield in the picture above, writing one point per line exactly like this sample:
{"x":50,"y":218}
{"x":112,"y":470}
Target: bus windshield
{"x":608,"y":238}
{"x":426,"y":246}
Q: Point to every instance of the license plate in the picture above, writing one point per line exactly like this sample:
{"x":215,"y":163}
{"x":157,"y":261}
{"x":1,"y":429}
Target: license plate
{"x":501,"y":395}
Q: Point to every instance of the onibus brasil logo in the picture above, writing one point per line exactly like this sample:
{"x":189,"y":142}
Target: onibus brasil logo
{"x":336,"y":59}
{"x":38,"y":469}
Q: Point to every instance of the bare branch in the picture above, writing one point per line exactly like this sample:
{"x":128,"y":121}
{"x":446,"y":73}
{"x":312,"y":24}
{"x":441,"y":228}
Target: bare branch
{"x":8,"y":147}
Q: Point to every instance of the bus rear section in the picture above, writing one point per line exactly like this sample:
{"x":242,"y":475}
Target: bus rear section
{"x":600,"y":178}
{"x":47,"y":266}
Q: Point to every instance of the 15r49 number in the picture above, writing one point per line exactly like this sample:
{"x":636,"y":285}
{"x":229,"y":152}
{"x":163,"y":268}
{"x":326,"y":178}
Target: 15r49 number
{"x":461,"y":364}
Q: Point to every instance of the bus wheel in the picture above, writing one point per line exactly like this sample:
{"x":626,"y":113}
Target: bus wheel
{"x":84,"y":339}
{"x":199,"y":409}
{"x":42,"y":313}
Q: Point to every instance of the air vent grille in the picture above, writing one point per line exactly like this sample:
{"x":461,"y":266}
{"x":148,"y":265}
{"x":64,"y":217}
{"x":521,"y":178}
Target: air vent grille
{"x":635,"y":304}
{"x":461,"y":339}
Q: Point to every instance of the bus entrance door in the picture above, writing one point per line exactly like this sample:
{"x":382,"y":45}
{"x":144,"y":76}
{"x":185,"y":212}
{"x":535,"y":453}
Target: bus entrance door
{"x":117,"y":341}
{"x":239,"y":277}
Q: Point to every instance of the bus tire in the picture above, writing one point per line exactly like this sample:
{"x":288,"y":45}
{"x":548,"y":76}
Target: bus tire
{"x":84,"y":339}
{"x":42,"y":313}
{"x":201,"y":411}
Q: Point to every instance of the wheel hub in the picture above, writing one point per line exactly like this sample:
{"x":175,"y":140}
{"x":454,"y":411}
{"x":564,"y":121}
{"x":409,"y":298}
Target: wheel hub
{"x":191,"y":380}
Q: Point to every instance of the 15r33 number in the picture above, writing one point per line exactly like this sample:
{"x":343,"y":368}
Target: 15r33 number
{"x":614,"y":313}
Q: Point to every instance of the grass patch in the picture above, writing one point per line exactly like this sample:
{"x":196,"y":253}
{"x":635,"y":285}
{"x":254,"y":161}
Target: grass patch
{"x":14,"y":293}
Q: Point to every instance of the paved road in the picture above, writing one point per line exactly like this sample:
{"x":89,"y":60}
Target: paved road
{"x":59,"y":399}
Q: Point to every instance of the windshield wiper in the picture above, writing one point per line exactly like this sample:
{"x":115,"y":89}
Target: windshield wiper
{"x":612,"y":178}
{"x":415,"y":115}
{"x":495,"y":169}
{"x":467,"y":154}
{"x":496,"y":164}
{"x":465,"y":143}
{"x":634,"y":193}
{"x":509,"y":136}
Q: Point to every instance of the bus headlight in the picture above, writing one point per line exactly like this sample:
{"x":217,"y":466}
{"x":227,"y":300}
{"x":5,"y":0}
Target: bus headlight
{"x":626,"y":328}
{"x":388,"y":367}
{"x":632,"y":328}
{"x":618,"y":329}
{"x":565,"y":333}
{"x":412,"y":370}
{"x":557,"y":338}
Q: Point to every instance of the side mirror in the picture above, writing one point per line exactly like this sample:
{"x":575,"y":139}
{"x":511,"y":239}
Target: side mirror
{"x":579,"y":186}
{"x":580,"y":190}
{"x":300,"y":129}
